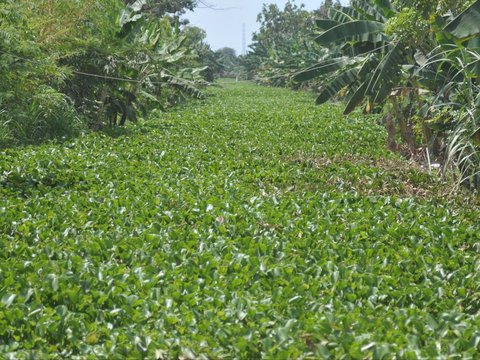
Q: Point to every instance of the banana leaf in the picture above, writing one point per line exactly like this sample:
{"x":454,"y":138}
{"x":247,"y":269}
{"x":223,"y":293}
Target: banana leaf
{"x":325,"y":24}
{"x":323,"y":68}
{"x":350,"y":30}
{"x":357,"y":98}
{"x":344,"y":14}
{"x":338,"y":83}
{"x":386,"y":72}
{"x":467,"y":23}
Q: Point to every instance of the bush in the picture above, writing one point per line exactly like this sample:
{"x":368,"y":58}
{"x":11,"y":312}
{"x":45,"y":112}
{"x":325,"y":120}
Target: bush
{"x":45,"y":115}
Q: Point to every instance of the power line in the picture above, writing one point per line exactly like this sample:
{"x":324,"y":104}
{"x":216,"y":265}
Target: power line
{"x":73,"y":71}
{"x":211,"y":7}
{"x":106,"y":77}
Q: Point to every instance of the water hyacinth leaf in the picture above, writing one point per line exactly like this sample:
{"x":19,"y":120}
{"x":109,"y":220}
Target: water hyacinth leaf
{"x":312,"y":245}
{"x":8,"y":299}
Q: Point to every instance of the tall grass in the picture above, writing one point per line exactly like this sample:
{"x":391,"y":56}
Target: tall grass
{"x":44,"y":115}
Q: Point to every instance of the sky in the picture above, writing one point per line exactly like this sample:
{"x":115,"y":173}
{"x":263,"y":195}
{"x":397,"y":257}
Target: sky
{"x":224,"y":26}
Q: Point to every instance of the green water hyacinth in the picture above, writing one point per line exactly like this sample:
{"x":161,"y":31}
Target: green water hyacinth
{"x":252,"y":224}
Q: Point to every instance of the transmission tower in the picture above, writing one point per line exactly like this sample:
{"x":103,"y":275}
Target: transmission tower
{"x":244,"y":40}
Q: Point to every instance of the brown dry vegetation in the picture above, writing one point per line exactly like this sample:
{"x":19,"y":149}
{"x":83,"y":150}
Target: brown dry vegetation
{"x":382,"y":176}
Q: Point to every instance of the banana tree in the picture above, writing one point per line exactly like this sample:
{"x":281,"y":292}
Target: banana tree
{"x":457,"y":59}
{"x":155,"y":60}
{"x":372,"y":65}
{"x":142,"y":64}
{"x":364,"y":62}
{"x":282,"y":44}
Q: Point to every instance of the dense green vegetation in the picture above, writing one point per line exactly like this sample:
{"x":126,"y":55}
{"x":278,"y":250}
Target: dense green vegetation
{"x":415,"y":61}
{"x":284,"y":43}
{"x":67,"y":66}
{"x":250,"y":224}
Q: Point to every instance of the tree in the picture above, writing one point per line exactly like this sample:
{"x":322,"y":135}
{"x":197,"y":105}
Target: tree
{"x":34,"y":37}
{"x":160,"y":8}
{"x":227,"y":58}
{"x":205,"y":56}
{"x":325,"y":7}
{"x":282,"y":44}
{"x":366,"y":63}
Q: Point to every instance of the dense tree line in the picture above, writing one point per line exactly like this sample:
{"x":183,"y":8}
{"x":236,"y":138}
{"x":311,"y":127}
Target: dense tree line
{"x":284,"y":43}
{"x":68,"y":65}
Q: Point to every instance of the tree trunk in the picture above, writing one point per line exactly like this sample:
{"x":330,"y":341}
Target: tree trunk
{"x":406,"y":130}
{"x":391,"y":132}
{"x":123,"y":119}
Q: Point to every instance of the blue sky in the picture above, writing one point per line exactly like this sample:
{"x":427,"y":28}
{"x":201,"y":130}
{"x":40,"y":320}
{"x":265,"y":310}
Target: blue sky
{"x":224,"y":25}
